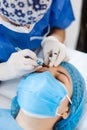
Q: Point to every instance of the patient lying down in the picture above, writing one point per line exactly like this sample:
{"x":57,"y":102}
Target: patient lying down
{"x":45,"y":98}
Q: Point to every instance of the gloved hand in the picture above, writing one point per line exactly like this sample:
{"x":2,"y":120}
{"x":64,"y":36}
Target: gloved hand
{"x":54,"y":51}
{"x":18,"y":65}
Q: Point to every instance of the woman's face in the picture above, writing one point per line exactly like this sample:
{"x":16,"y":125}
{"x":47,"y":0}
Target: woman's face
{"x":47,"y":123}
{"x":63,"y":76}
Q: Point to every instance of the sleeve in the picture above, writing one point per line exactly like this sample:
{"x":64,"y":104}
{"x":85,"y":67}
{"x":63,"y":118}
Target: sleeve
{"x":61,"y":14}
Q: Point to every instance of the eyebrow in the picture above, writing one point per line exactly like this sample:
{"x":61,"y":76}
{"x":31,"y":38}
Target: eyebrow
{"x":62,"y":73}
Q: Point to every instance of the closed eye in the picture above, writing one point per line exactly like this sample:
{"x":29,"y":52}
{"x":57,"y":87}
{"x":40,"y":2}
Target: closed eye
{"x":63,"y":74}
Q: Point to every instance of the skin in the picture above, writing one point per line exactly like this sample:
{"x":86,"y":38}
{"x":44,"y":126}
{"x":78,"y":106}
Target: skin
{"x":58,"y":33}
{"x":31,"y":123}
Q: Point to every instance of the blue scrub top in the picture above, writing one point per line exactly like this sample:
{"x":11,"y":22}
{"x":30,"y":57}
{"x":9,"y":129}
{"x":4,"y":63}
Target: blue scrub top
{"x":59,"y":15}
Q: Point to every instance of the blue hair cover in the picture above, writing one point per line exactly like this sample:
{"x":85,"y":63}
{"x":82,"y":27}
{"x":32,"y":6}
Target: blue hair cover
{"x":78,"y":99}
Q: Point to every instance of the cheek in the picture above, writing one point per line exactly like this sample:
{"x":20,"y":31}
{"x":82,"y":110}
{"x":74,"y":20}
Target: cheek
{"x":63,"y":106}
{"x":62,"y":79}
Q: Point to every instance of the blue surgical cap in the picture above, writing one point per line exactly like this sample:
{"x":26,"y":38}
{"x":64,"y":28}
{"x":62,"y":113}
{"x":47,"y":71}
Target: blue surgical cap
{"x":78,"y":99}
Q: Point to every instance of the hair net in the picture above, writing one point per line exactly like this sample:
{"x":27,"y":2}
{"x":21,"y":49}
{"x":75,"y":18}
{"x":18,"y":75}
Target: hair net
{"x":24,"y":12}
{"x":78,"y":100}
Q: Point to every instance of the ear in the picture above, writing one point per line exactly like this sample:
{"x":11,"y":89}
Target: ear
{"x":66,"y":113}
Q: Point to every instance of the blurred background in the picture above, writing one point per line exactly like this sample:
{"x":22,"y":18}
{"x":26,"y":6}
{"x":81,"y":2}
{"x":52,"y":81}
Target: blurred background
{"x":76,"y":34}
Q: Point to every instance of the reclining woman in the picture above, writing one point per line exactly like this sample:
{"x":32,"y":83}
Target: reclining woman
{"x":52,"y":99}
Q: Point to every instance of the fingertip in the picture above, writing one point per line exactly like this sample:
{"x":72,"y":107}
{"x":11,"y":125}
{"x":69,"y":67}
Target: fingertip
{"x":50,"y":64}
{"x":56,"y":65}
{"x":46,"y":62}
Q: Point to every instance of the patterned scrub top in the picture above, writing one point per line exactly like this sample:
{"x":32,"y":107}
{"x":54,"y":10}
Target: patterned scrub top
{"x":58,"y":15}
